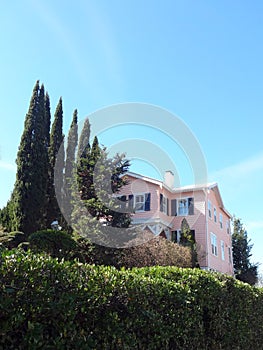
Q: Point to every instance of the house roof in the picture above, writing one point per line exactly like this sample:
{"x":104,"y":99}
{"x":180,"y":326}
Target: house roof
{"x":189,"y":188}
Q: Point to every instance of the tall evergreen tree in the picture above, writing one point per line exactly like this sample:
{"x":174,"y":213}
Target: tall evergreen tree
{"x":56,"y":165}
{"x":48,"y":119}
{"x":244,"y":270}
{"x":84,"y":138}
{"x":29,"y":195}
{"x":72,"y":143}
{"x":98,"y":178}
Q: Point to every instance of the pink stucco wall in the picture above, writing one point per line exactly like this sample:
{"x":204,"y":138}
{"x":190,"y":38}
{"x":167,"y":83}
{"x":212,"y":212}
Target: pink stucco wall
{"x":199,"y":221}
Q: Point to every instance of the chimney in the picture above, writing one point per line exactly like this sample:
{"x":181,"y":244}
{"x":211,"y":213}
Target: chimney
{"x":169,"y":178}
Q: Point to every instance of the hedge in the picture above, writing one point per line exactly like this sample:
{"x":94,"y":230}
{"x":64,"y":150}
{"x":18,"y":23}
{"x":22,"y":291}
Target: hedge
{"x":50,"y":304}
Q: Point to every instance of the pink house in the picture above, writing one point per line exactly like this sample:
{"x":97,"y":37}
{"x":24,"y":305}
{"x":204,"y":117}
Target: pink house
{"x":160,"y":208}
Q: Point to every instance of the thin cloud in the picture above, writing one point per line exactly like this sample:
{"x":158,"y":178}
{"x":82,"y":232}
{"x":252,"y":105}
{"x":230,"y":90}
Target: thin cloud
{"x":7,"y":166}
{"x":243,"y":169}
{"x":254,"y":225}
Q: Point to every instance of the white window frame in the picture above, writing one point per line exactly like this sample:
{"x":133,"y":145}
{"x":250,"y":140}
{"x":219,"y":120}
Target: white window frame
{"x":222,"y":243}
{"x":165,"y":200}
{"x":178,"y":206}
{"x":228,"y":227}
{"x":214,"y":244}
{"x":221,"y":220}
{"x":143,"y":203}
{"x":209,"y":207}
{"x":215,"y":214}
{"x":230,"y":255}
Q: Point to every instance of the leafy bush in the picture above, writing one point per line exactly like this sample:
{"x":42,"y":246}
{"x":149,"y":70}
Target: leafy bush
{"x":58,"y":244}
{"x":157,"y":251}
{"x":50,"y":304}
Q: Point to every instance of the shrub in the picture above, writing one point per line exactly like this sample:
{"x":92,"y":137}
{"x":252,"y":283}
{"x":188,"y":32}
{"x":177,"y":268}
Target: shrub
{"x":156,"y":251}
{"x":50,"y":304}
{"x":58,"y":244}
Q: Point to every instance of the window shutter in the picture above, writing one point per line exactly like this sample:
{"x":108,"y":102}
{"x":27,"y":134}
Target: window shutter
{"x":191,"y":206}
{"x":147,"y":206}
{"x":130,"y":203}
{"x":167,"y":209}
{"x":174,"y":207}
{"x":161,"y":202}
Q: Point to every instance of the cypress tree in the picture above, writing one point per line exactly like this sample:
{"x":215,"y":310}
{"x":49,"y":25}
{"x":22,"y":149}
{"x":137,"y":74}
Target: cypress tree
{"x":84,"y":138}
{"x":72,"y":143}
{"x":29,"y":195}
{"x":71,"y":146}
{"x":56,"y":166}
{"x":48,"y":119}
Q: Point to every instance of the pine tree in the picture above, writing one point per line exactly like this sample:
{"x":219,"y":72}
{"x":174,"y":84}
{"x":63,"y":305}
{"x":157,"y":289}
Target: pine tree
{"x":72,"y":143}
{"x":56,"y":166}
{"x":29,"y":195}
{"x":244,"y":270}
{"x":99,"y":178}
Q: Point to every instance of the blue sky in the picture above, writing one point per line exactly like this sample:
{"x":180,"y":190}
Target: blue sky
{"x":201,"y":60}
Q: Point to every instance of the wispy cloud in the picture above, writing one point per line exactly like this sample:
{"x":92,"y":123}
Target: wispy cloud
{"x":254,"y":225}
{"x":7,"y":166}
{"x":243,"y":169}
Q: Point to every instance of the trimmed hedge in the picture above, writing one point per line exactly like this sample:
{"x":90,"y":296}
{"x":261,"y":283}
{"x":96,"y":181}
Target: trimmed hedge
{"x":50,"y":304}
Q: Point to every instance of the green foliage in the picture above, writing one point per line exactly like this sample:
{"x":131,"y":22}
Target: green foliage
{"x":50,"y":304}
{"x":70,"y":165}
{"x":84,"y":139}
{"x":244,"y":270}
{"x":26,"y":210}
{"x":12,"y":240}
{"x":98,"y":177}
{"x":55,"y":243}
{"x":56,"y":166}
{"x":156,"y":251}
{"x":188,"y":240}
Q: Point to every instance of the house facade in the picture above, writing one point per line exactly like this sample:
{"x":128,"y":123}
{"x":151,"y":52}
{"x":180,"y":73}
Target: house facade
{"x":160,"y":208}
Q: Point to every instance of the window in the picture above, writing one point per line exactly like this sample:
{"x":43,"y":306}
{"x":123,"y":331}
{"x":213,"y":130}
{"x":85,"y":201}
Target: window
{"x":229,"y":255}
{"x":221,"y":220}
{"x":215,"y":215}
{"x":214,"y":244}
{"x":164,"y":204}
{"x":209,"y":209}
{"x":185,"y":206}
{"x":228,"y":227}
{"x":142,"y":202}
{"x":223,"y":250}
{"x":139,"y":202}
{"x":174,"y":207}
{"x":122,"y":202}
{"x":176,"y":235}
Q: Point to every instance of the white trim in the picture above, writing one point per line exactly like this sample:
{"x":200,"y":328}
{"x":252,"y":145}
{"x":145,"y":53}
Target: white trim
{"x":215,"y":214}
{"x":214,"y":246}
{"x":209,"y":208}
{"x":177,"y":204}
{"x":134,"y":202}
{"x":222,"y":246}
{"x":191,"y":188}
{"x":221,"y":221}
